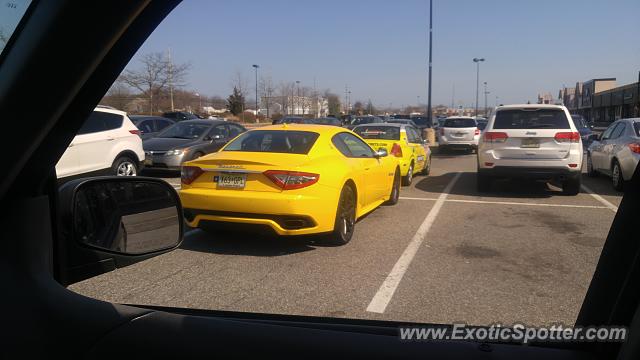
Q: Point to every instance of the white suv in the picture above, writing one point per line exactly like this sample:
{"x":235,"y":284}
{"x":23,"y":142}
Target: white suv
{"x":458,"y":132}
{"x":531,"y":141}
{"x":108,"y":142}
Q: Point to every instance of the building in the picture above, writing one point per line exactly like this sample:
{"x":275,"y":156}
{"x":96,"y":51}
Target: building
{"x":545,"y":98}
{"x":601,"y":102}
{"x":315,"y":106}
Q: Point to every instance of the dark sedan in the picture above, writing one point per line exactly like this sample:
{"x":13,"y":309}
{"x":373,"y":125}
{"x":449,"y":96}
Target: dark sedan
{"x":327,"y":121}
{"x":361,"y":120}
{"x":188,"y":140}
{"x":150,"y":126}
{"x":583,"y":128}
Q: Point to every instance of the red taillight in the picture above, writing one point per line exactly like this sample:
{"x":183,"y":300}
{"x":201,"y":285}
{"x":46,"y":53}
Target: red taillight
{"x":572,"y":137}
{"x":290,"y":180}
{"x":135,"y":132}
{"x":634,"y":147}
{"x":189,"y":173}
{"x":573,"y":165}
{"x":477,"y":131}
{"x":396,"y":150}
{"x":495,"y":137}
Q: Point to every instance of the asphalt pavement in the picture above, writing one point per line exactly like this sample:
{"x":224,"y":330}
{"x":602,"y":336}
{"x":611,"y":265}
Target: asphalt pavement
{"x":523,"y":253}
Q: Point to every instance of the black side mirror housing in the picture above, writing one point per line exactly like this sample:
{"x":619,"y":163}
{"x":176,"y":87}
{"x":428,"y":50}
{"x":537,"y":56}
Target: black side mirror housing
{"x":112,"y":222}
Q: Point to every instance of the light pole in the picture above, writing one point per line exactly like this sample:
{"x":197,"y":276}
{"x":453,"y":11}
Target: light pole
{"x":199,"y":102}
{"x":256,"y":67}
{"x":429,"y":119}
{"x":477,"y":61}
{"x":485,"y":98}
{"x":298,"y":106}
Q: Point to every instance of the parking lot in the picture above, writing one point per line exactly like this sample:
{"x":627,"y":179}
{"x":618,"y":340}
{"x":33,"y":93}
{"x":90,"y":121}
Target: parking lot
{"x":445,"y":253}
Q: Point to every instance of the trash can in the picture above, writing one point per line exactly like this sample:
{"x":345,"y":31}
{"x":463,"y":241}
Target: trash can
{"x":430,"y":135}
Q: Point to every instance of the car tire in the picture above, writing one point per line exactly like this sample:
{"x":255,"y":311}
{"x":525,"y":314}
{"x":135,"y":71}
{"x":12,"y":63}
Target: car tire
{"x":616,"y":176}
{"x":395,"y":189}
{"x":483,"y":182}
{"x":571,"y":186}
{"x":427,"y":167}
{"x":124,"y":166}
{"x":591,"y":172}
{"x":345,"y":222}
{"x":408,"y":179}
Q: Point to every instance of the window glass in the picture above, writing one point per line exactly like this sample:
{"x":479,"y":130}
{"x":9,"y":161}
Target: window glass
{"x":275,"y":141}
{"x":607,"y":133}
{"x":10,"y":15}
{"x":100,"y":121}
{"x":618,"y":131}
{"x":162,"y":124}
{"x":531,"y":119}
{"x":459,"y":123}
{"x":184,"y":130}
{"x":357,"y":147}
{"x":220,"y":130}
{"x":146,"y":126}
{"x":378,"y":132}
{"x":235,"y":130}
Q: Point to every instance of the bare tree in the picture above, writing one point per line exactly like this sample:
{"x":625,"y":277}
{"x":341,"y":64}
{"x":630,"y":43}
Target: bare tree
{"x":156,"y":73}
{"x":118,"y":96}
{"x":266,"y":92}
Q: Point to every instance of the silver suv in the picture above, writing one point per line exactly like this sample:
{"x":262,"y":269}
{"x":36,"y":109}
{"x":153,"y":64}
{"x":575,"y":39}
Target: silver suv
{"x":531,"y":141}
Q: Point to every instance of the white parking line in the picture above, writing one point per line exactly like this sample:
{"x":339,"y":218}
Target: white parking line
{"x":508,"y":203}
{"x":381,"y":299}
{"x":601,"y":199}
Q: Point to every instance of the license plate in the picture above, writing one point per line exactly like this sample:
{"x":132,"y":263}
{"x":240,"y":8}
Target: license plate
{"x":235,"y":181}
{"x":530,"y":143}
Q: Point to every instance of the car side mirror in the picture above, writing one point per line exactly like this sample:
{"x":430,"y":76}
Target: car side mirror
{"x":382,"y":152}
{"x":425,"y":142}
{"x":218,"y":137}
{"x":112,"y":222}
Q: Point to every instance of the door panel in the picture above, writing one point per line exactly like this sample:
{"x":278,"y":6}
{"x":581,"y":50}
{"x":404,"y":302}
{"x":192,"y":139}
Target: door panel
{"x":68,"y":163}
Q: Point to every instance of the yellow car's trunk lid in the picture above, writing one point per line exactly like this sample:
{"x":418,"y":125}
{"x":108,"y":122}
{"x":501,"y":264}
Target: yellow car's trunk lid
{"x":244,"y":171}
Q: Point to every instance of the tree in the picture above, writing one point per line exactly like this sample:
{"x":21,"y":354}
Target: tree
{"x":118,"y":96}
{"x":156,"y":74}
{"x":3,"y":39}
{"x":370,"y":108}
{"x":333,"y":102}
{"x":358,"y":108}
{"x":235,"y":102}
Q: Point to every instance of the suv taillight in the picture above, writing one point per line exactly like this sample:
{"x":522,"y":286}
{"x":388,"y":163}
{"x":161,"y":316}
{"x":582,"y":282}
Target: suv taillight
{"x":135,"y":132}
{"x":189,"y":173}
{"x":477,"y":132}
{"x":570,"y":137}
{"x":396,"y":150}
{"x":635,"y":147}
{"x":290,"y":180}
{"x":495,"y":137}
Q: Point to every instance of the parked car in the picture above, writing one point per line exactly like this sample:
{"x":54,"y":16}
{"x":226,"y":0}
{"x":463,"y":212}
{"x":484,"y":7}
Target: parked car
{"x":327,"y":121}
{"x":531,"y":141}
{"x":458,"y":132}
{"x":179,"y":115}
{"x":402,"y":121}
{"x":292,"y":120}
{"x":402,"y":141}
{"x":188,"y":140}
{"x":107,"y":143}
{"x":482,"y":123}
{"x":616,"y":152}
{"x":422,"y":122}
{"x":310,"y":173}
{"x":361,"y":120}
{"x":149,"y":126}
{"x":584,"y":129}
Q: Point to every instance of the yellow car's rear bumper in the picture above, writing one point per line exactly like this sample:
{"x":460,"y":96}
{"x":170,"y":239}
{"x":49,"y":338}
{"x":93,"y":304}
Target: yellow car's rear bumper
{"x":292,"y":212}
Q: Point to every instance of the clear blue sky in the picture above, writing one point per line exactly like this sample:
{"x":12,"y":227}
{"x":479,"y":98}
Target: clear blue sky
{"x":380,"y":48}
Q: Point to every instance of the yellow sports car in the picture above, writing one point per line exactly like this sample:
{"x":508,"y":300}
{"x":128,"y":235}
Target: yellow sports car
{"x":291,"y":179}
{"x":403,"y":141}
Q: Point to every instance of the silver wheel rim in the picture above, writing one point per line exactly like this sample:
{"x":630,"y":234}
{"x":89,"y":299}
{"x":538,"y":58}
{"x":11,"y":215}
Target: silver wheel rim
{"x":126,"y":168}
{"x":616,"y":175}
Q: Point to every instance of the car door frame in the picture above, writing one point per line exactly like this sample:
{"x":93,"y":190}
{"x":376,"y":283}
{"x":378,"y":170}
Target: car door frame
{"x":48,"y":320}
{"x":597,"y":153}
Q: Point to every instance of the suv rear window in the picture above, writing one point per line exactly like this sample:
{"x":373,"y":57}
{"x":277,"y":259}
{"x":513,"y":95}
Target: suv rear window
{"x":274,"y":141}
{"x":531,"y":119}
{"x":378,"y":132}
{"x":636,"y":127}
{"x":100,"y":121}
{"x":459,"y":123}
